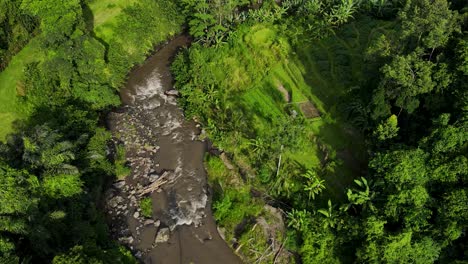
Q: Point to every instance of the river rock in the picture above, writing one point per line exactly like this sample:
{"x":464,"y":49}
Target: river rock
{"x":149,"y":222}
{"x":136,"y":214}
{"x":222,"y":232}
{"x":162,"y":236}
{"x":157,"y":223}
{"x":115,"y":201}
{"x":119,"y":184}
{"x":172,"y":92}
{"x":153,"y":177}
{"x":127,"y":240}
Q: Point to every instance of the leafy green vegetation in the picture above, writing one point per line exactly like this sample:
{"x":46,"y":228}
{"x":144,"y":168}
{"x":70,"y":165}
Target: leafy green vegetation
{"x":56,"y":162}
{"x":342,"y":125}
{"x":12,"y":85}
{"x":121,"y":170}
{"x":105,"y":13}
{"x":299,"y":100}
{"x":17,"y":28}
{"x":146,"y":206}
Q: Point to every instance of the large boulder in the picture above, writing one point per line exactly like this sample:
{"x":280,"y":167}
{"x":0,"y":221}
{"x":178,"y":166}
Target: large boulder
{"x":172,"y":92}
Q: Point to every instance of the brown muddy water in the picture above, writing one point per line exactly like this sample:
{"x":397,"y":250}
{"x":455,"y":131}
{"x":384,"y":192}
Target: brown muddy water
{"x":162,"y":148}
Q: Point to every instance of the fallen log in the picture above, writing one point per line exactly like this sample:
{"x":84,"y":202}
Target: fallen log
{"x":154,"y":186}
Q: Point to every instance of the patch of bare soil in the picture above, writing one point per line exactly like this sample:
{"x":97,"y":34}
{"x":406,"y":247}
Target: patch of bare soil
{"x":284,"y":92}
{"x":309,"y":110}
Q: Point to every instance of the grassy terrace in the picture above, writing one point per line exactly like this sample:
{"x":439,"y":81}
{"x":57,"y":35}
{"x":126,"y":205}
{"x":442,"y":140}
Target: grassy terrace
{"x":321,"y":72}
{"x":329,"y":69}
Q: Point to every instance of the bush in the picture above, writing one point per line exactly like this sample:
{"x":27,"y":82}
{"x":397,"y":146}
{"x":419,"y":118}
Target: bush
{"x":146,"y":206}
{"x":121,"y":170}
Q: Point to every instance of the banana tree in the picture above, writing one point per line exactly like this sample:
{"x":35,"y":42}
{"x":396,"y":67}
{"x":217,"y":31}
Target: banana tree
{"x":329,"y":220}
{"x":314,"y":185}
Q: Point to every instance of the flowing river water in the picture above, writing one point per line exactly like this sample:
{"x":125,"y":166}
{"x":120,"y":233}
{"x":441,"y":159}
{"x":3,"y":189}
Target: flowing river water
{"x":162,"y":148}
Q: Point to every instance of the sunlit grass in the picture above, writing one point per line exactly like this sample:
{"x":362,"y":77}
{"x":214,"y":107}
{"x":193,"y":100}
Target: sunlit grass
{"x":321,"y":72}
{"x":105,"y":13}
{"x":6,"y":122}
{"x":10,"y":78}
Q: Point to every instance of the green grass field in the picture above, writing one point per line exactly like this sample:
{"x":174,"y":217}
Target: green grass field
{"x":325,"y":71}
{"x":105,"y":13}
{"x":10,"y":110}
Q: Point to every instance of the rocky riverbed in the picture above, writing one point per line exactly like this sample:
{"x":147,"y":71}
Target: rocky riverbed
{"x":166,"y":161}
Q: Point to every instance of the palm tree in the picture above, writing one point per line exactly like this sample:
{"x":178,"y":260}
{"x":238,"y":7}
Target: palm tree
{"x":44,"y":149}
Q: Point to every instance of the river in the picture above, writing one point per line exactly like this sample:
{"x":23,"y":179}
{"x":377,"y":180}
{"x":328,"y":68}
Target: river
{"x":162,"y":147}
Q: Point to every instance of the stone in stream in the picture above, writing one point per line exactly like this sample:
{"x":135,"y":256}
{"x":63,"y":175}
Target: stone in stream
{"x":162,"y":236}
{"x":115,"y":201}
{"x":221,"y":232}
{"x":153,"y":177}
{"x":149,"y":222}
{"x":119,"y":184}
{"x":172,"y":92}
{"x":136,"y":214}
{"x":126,"y":240}
{"x":157,"y":223}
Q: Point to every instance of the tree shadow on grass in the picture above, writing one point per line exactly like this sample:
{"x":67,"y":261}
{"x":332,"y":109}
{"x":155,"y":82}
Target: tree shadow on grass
{"x":89,"y":21}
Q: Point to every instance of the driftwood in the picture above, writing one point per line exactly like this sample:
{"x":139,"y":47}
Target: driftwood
{"x":154,"y":186}
{"x":279,"y":251}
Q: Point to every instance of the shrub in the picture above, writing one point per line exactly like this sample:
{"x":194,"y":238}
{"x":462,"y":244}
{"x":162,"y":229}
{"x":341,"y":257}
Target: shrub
{"x":146,"y":206}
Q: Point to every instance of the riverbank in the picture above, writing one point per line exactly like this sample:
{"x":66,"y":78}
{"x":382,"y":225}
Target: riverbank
{"x":286,"y":142}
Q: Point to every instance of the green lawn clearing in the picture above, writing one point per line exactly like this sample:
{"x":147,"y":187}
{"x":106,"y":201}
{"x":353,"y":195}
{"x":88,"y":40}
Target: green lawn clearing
{"x":10,"y":79}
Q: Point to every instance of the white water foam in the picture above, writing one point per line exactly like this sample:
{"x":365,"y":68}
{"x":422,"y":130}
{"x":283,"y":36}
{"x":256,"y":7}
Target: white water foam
{"x":190,"y":204}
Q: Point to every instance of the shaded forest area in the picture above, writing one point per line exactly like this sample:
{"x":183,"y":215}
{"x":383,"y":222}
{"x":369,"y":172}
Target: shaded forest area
{"x":350,"y":117}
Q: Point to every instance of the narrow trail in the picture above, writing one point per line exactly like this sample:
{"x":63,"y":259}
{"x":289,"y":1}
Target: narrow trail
{"x":162,"y":146}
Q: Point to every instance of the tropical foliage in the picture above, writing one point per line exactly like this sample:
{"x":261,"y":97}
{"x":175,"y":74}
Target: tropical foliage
{"x":55,"y":167}
{"x":393,"y":72}
{"x":348,"y":115}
